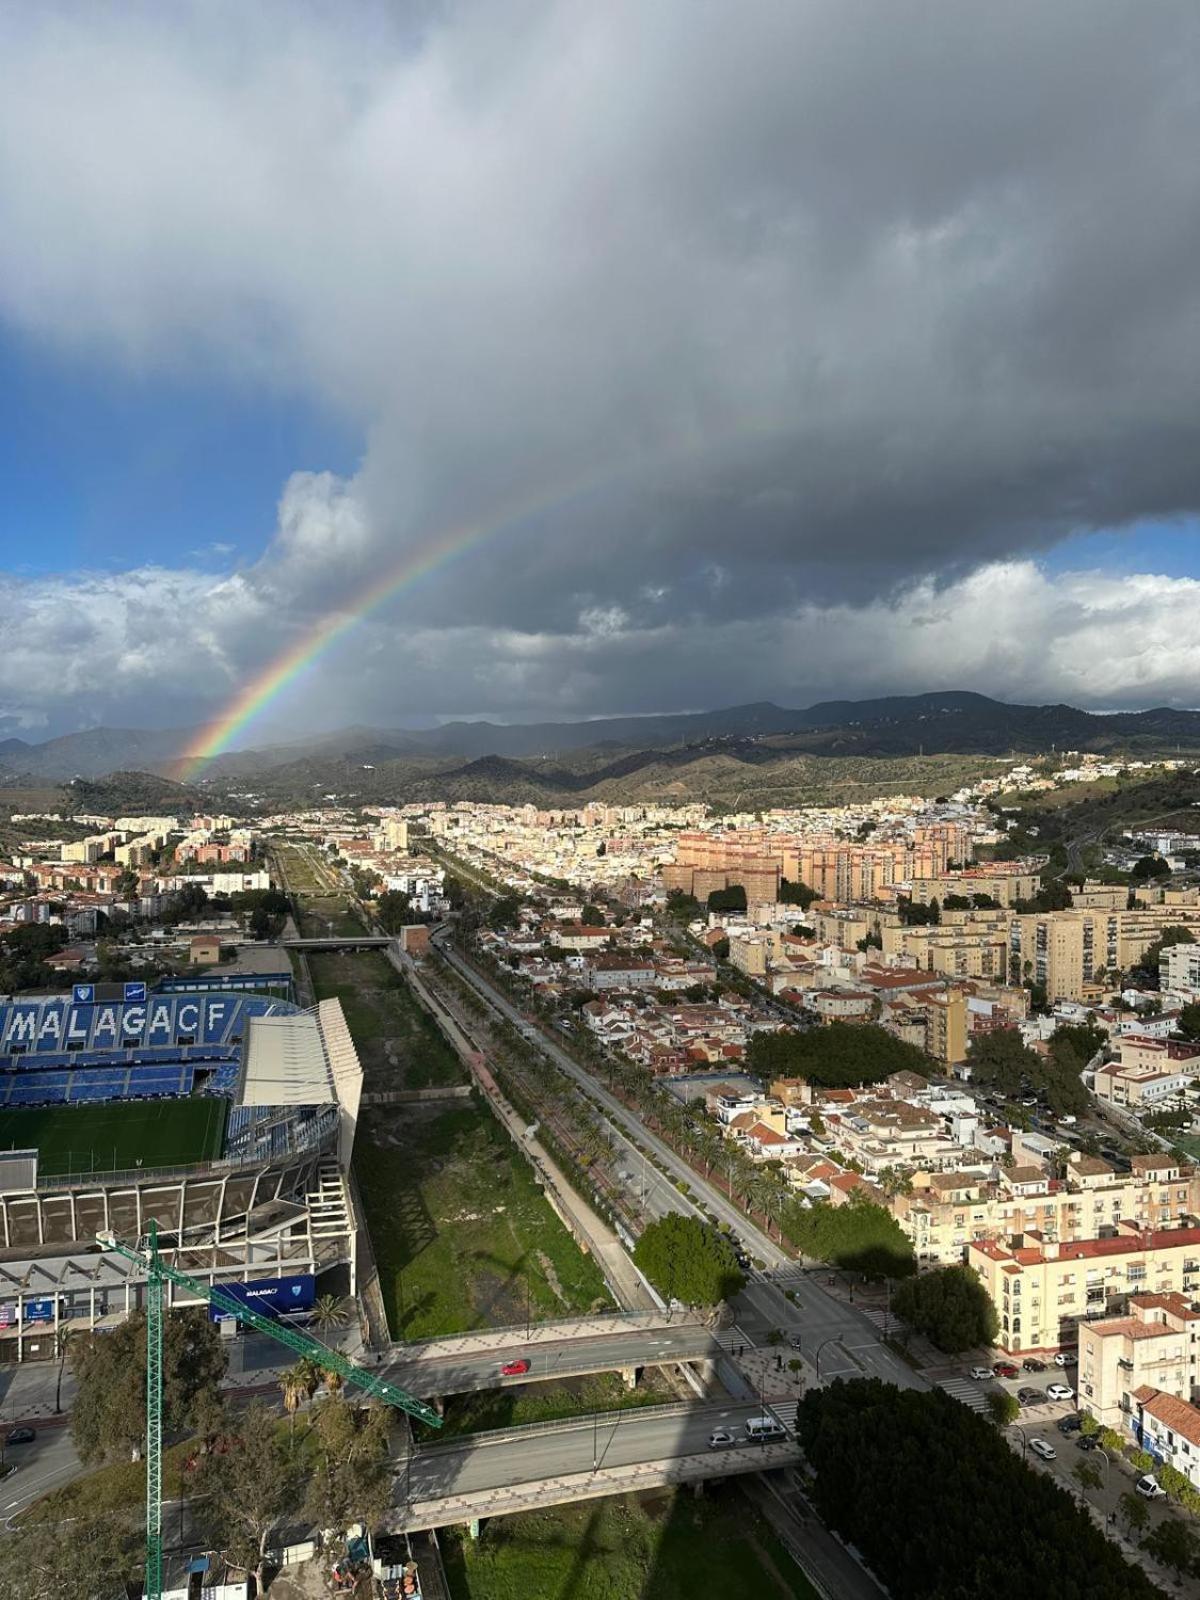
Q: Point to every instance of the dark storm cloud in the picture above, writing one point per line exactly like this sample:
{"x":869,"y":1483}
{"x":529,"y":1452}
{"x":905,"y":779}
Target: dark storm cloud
{"x":763,"y":307}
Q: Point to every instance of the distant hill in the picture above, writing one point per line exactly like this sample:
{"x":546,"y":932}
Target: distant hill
{"x":582,"y":756}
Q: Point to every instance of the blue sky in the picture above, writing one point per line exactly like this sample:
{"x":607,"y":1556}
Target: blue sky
{"x":105,"y":469}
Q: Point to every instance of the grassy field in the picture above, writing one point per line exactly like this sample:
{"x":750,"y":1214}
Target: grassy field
{"x":546,"y":1402}
{"x":398,"y":1042}
{"x":120,"y":1487}
{"x":117,"y":1134}
{"x":462,"y":1235}
{"x":629,"y":1547}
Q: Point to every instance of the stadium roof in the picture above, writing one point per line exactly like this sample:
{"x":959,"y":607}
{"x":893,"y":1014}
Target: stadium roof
{"x":286,"y":1064}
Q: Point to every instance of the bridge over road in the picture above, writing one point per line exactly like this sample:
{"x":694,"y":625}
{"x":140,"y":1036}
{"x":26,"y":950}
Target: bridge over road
{"x":582,"y":1458}
{"x":465,"y":1363}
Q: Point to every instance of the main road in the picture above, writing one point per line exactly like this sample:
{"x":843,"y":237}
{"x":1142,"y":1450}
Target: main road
{"x":818,"y":1319}
{"x":490,"y":1461}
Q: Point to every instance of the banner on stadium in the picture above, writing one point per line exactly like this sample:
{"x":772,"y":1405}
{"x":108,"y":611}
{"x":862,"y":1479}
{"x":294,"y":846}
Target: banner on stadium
{"x":271,"y":1297}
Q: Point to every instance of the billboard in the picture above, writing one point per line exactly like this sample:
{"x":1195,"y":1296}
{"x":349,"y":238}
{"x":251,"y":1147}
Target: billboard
{"x":271,"y":1297}
{"x":38,"y":1311}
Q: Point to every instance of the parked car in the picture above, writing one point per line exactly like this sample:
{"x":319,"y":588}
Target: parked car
{"x":1149,"y":1487}
{"x":1032,"y":1364}
{"x":1059,"y":1391}
{"x":1066,"y":1358}
{"x":1071,"y":1424}
{"x":514,"y":1369}
{"x":1041,"y":1448}
{"x":20,"y":1436}
{"x":721,"y":1439}
{"x":982,"y":1374}
{"x":1031,"y":1397}
{"x":1087,"y":1441}
{"x":1004,"y":1369}
{"x":797,"y":1342}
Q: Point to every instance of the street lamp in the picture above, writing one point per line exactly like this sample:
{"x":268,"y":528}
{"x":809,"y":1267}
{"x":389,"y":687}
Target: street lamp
{"x":820,"y":1347}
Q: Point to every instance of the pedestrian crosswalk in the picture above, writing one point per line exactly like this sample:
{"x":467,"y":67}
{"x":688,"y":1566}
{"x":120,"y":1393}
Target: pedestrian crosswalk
{"x":963,"y":1389}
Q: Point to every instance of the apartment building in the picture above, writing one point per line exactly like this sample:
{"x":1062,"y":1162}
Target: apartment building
{"x":1170,"y":1429}
{"x":1044,"y":1291}
{"x":1146,"y":1071}
{"x":1152,"y":1347}
{"x":946,"y":1212}
{"x":1004,"y":881}
{"x":946,"y":1026}
{"x":1179,"y":970}
{"x":963,"y":945}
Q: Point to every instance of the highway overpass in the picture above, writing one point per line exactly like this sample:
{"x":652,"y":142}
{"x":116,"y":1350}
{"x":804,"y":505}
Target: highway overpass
{"x":465,"y":1363}
{"x":515,"y":1469}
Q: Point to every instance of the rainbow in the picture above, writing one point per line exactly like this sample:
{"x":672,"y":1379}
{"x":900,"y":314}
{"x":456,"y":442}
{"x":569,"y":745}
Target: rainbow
{"x":275,"y":678}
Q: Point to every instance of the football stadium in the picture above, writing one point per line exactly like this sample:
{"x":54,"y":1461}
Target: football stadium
{"x":225,"y":1115}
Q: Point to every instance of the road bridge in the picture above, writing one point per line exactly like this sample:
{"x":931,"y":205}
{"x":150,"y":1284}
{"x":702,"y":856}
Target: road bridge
{"x":582,"y":1458}
{"x":340,"y":941}
{"x":444,"y":1366}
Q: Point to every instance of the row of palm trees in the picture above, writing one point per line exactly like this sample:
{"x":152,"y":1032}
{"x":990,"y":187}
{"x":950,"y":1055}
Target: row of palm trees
{"x":300,"y":1382}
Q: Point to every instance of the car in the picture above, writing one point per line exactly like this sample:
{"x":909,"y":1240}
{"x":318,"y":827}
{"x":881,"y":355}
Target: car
{"x":514,"y":1369}
{"x":1071,"y":1424}
{"x":1041,"y":1448}
{"x":1087,"y":1441}
{"x":20,"y":1436}
{"x":1004,"y":1369}
{"x":1149,"y":1487}
{"x":797,"y":1342}
{"x":1066,"y":1358}
{"x":1031,"y":1397}
{"x":1059,"y":1391}
{"x":982,"y":1374}
{"x":721,"y":1439}
{"x":1032,"y":1364}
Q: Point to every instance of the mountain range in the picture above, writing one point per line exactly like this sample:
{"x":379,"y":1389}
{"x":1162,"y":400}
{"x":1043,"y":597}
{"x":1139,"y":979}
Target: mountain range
{"x":475,"y":759}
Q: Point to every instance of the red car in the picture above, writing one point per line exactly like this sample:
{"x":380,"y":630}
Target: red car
{"x":514,"y":1369}
{"x":1005,"y":1369}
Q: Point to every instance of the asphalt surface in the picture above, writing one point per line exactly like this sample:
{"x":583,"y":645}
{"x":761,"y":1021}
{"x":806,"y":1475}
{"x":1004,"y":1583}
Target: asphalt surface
{"x":41,"y":1466}
{"x":442,"y":1375}
{"x":619,"y":1439}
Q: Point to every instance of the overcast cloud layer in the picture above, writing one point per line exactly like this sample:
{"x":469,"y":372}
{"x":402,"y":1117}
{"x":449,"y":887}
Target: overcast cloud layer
{"x":806,"y":330}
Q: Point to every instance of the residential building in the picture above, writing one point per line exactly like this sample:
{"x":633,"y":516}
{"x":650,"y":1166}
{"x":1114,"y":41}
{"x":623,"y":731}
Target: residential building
{"x":1044,"y":1291}
{"x":1169,"y":1428}
{"x":1153,"y":1345}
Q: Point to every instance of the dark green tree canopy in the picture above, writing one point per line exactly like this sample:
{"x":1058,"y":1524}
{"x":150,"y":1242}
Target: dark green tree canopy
{"x":843,"y":1055}
{"x":943,"y":1508}
{"x":950,"y":1306}
{"x":686,"y":1259}
{"x":108,"y":1420}
{"x":859,"y":1237}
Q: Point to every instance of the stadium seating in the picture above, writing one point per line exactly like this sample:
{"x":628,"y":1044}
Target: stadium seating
{"x":56,"y":1051}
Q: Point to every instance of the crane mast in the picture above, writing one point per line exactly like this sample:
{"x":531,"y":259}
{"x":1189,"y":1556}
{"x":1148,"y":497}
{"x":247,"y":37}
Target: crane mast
{"x":158,"y":1275}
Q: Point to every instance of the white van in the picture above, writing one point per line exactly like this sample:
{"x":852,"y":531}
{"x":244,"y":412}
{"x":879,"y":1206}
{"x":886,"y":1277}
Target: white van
{"x":765,"y":1428}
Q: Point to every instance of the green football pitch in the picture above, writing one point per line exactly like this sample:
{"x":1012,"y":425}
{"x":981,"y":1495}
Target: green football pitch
{"x":117,"y":1134}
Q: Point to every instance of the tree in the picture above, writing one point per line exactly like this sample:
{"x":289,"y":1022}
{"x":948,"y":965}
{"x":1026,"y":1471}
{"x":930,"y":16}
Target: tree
{"x":858,"y":1237}
{"x":1173,"y":1543}
{"x":126,"y":884}
{"x":108,"y":1419}
{"x":720,"y":949}
{"x":330,"y":1312}
{"x":1145,"y":970}
{"x":796,"y":894}
{"x":504,"y":911}
{"x":1135,"y":1513}
{"x":689,"y":1260}
{"x":842,"y":1055}
{"x":732,"y":899}
{"x":453,"y":892}
{"x":1086,"y":1474}
{"x":1003,"y":1407}
{"x":86,"y":1555}
{"x":939,"y":1504}
{"x":352,"y":1480}
{"x":1000,"y":1060}
{"x":951,"y":1306}
{"x":592,"y":917}
{"x":1189,"y":1021}
{"x":243,"y":1490}
{"x":1147,"y":867}
{"x":393,"y":910}
{"x":293,"y":1387}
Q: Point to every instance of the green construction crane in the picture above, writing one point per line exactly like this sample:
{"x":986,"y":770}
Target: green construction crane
{"x":158,"y":1275}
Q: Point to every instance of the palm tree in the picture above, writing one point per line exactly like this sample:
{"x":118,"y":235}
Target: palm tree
{"x":293,"y":1386}
{"x":334,"y":1382}
{"x":329,"y":1312}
